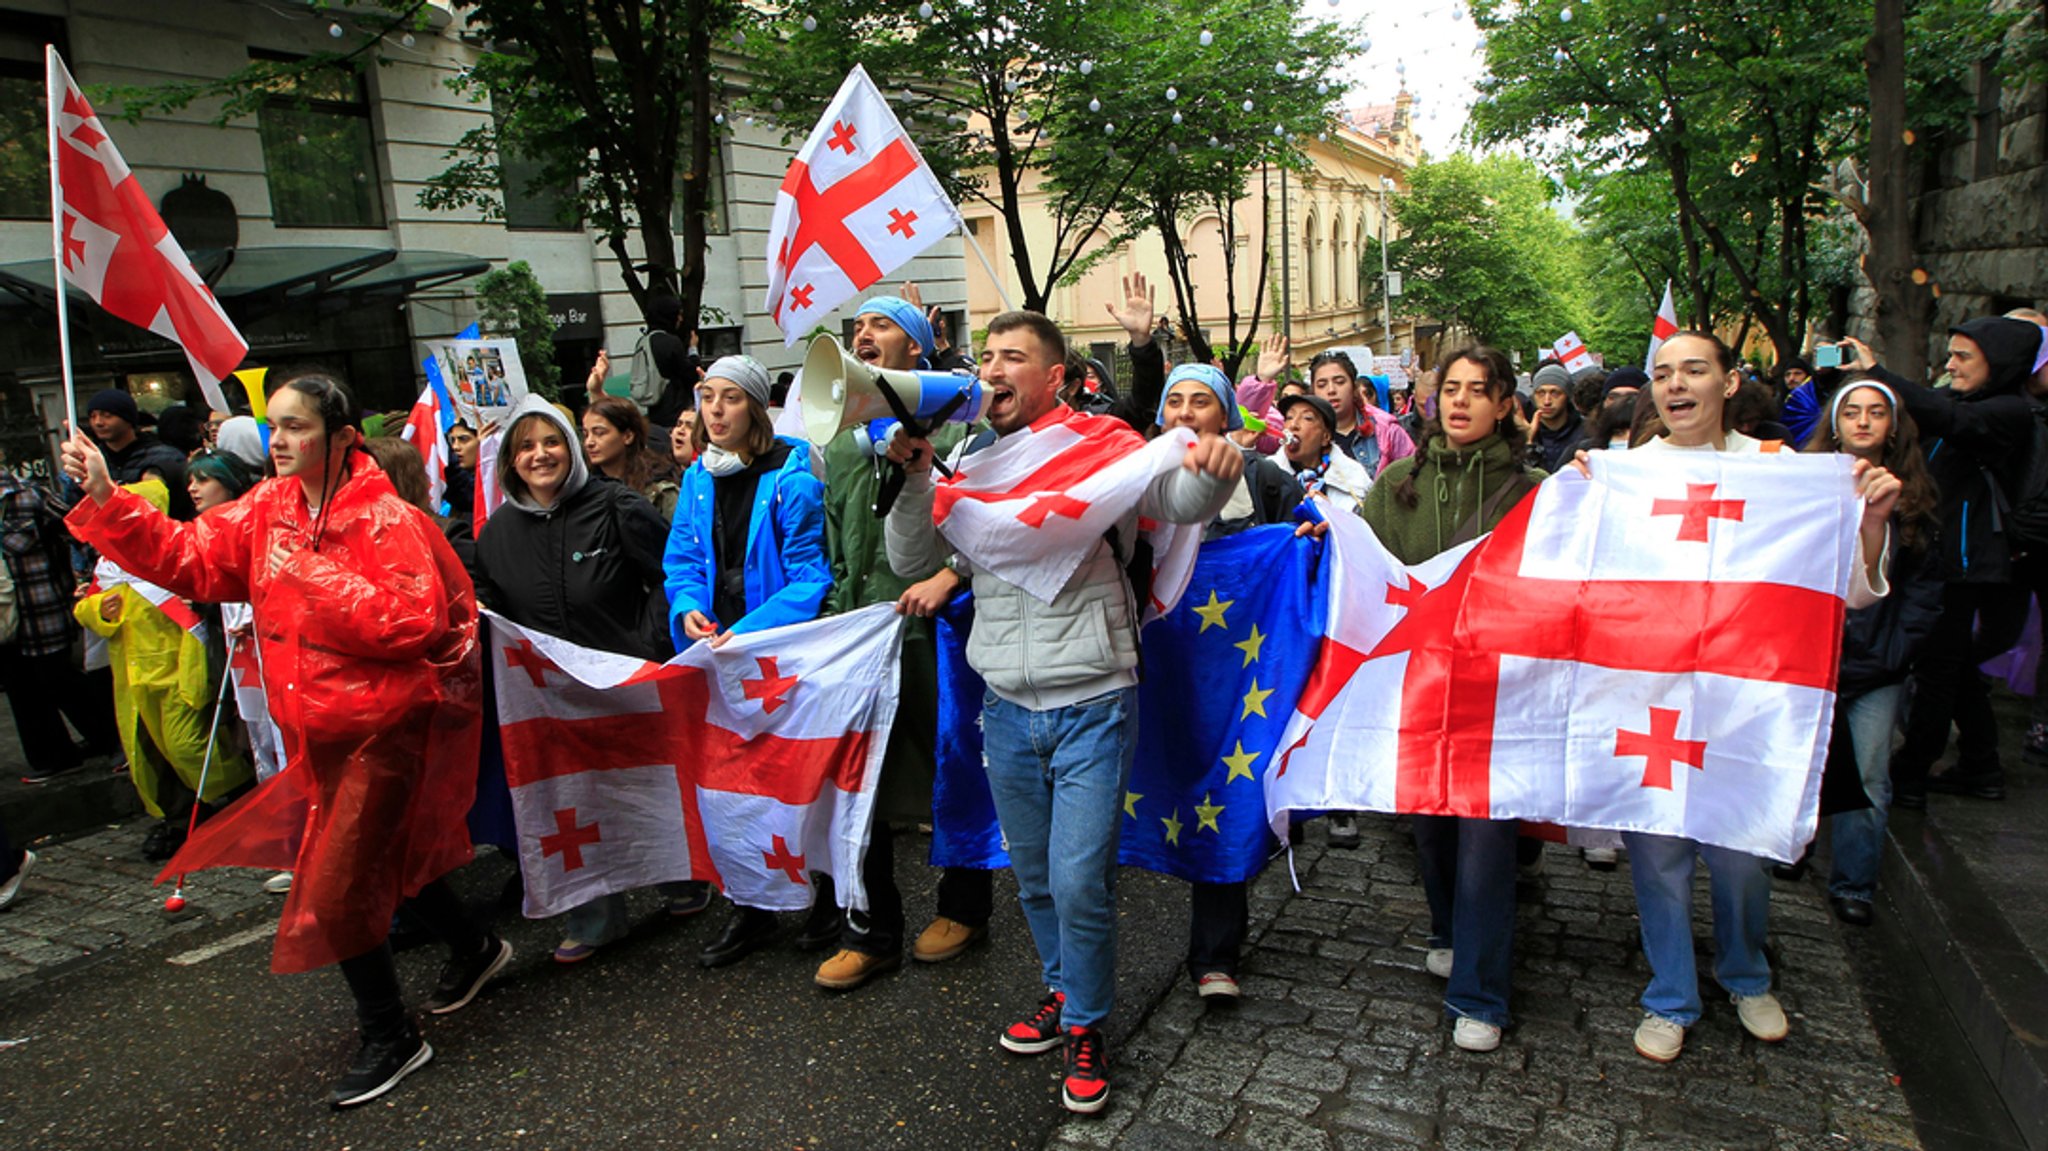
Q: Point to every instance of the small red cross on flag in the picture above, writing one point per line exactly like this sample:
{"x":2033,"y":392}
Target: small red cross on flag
{"x":783,"y":860}
{"x":854,"y":207}
{"x":1660,"y":747}
{"x":526,"y":658}
{"x":1697,"y":510}
{"x":569,"y":839}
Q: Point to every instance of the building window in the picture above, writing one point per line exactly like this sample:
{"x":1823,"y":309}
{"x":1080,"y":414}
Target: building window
{"x":1338,"y":290}
{"x":319,"y":153}
{"x":1308,"y":265}
{"x":24,"y":137}
{"x":530,"y":203}
{"x":715,"y":221}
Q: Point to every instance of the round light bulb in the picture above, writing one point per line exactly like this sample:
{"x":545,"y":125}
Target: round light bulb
{"x":1172,"y":94}
{"x":1087,"y":66}
{"x":810,"y":23}
{"x":924,"y":11}
{"x":334,"y":30}
{"x":1094,"y":105}
{"x":1247,"y":105}
{"x":1176,"y":117}
{"x":1207,"y":37}
{"x":1565,"y":16}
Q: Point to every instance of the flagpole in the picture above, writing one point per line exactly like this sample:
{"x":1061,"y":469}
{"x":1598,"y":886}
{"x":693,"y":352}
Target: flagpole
{"x":50,"y":65}
{"x":968,"y":234}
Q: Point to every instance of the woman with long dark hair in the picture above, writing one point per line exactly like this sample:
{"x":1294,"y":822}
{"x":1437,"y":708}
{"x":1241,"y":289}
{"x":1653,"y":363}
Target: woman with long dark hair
{"x":616,"y":444}
{"x":1471,"y":471}
{"x":1879,"y":642}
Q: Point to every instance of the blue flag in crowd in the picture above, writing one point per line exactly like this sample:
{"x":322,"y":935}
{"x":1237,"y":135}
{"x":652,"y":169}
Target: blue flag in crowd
{"x":1222,"y":673}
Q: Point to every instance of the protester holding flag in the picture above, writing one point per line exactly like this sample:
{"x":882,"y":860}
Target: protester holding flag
{"x":1060,"y":718}
{"x":893,"y":333}
{"x":1979,"y":430}
{"x":368,"y":624}
{"x":1200,"y":399}
{"x":1472,"y":470}
{"x":1365,"y":433}
{"x":578,"y":558}
{"x":1879,"y":642}
{"x":1694,"y":377}
{"x":747,"y":553}
{"x":616,"y":445}
{"x":163,"y":696}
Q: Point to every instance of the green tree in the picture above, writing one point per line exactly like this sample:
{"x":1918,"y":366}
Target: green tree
{"x":511,"y":300}
{"x":1482,"y":248}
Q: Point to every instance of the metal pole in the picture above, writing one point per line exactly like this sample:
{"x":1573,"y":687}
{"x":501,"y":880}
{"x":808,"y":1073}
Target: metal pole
{"x":1386,"y":302}
{"x":55,"y":72}
{"x":1286,"y":263}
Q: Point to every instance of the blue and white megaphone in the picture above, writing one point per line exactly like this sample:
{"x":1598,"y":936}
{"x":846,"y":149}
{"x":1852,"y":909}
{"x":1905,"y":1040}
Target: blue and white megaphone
{"x":840,"y":391}
{"x":875,"y":435}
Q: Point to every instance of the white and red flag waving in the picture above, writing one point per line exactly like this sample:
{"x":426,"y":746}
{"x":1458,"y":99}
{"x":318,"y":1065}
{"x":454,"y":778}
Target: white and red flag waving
{"x":1031,"y":506}
{"x":1662,"y":328}
{"x":859,"y":202}
{"x":114,"y":247}
{"x":1654,"y":649}
{"x":751,"y":765}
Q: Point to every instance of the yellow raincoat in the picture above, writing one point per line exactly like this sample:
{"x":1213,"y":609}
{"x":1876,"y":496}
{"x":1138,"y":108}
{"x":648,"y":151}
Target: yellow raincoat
{"x":162,"y":690}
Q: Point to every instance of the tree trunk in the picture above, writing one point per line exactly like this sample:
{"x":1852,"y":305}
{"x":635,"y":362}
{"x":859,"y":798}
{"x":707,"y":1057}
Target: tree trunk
{"x":1902,"y":305}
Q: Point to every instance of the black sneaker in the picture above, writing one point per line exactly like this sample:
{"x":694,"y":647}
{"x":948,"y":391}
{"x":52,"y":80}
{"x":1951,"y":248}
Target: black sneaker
{"x":1983,"y":783}
{"x":163,"y":840}
{"x":1086,"y":1088}
{"x":1041,"y":1032}
{"x":378,"y":1067}
{"x":461,"y":979}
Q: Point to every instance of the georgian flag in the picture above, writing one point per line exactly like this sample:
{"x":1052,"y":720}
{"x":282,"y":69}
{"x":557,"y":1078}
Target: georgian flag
{"x":751,"y":765}
{"x":858,"y":202}
{"x":426,"y":428}
{"x":1654,"y":649}
{"x":112,"y":245}
{"x":1034,"y":504}
{"x":1571,"y":352}
{"x":1662,"y":328}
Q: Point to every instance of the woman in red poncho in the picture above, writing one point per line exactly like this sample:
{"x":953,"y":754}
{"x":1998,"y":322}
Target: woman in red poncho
{"x":369,"y":632}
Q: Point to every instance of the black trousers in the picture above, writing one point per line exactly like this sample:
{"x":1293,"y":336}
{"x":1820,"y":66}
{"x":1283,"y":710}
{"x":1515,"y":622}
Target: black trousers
{"x":1977,"y":621}
{"x":373,"y":976}
{"x":1218,"y":915}
{"x":44,"y":690}
{"x":966,"y":895}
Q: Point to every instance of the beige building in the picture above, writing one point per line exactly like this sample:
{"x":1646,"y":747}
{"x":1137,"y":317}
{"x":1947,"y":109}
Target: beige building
{"x":1321,"y":220}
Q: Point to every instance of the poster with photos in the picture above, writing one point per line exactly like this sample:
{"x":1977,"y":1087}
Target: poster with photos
{"x":484,"y":378}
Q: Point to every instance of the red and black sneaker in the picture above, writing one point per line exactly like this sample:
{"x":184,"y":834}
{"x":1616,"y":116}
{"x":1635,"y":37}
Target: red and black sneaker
{"x":1087,"y":1085}
{"x":1041,"y":1032}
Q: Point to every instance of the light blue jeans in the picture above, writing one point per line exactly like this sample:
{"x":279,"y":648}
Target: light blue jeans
{"x":1661,"y":867}
{"x":1859,"y":835}
{"x":603,"y":920}
{"x":1058,"y":777}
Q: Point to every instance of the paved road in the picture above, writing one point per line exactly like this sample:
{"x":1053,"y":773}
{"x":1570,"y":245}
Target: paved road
{"x":1338,"y":1044}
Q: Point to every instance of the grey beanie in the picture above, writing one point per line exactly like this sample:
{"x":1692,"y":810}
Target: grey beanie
{"x":747,"y":372}
{"x":1551,"y":373}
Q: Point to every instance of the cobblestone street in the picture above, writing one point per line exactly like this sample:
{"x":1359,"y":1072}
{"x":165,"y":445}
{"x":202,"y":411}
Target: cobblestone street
{"x":1339,"y":1041}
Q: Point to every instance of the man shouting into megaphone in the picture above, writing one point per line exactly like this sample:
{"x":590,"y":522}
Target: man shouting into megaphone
{"x":892,"y":333}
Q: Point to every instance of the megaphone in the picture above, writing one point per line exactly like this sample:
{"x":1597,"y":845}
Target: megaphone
{"x":840,"y":391}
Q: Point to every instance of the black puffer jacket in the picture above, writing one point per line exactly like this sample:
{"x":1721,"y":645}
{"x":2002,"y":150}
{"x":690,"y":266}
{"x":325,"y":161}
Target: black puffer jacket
{"x":587,"y":569}
{"x":145,"y":454}
{"x":1974,"y":440}
{"x":1880,"y":641}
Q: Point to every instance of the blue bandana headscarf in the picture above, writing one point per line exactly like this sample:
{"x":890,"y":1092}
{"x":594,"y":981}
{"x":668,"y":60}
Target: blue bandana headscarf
{"x":1211,"y":378}
{"x":909,"y":317}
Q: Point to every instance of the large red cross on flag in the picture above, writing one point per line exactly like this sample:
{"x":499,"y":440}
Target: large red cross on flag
{"x":748,"y":765}
{"x":858,"y":202}
{"x":112,"y":245}
{"x":1033,"y":505}
{"x":1587,"y":665}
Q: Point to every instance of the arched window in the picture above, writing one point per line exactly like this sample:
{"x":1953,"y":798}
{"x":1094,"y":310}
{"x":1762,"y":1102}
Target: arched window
{"x":1311,"y":296}
{"x":1339,"y":282}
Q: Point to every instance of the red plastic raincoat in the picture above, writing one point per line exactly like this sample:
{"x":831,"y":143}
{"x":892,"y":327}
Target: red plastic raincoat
{"x":370,"y":657}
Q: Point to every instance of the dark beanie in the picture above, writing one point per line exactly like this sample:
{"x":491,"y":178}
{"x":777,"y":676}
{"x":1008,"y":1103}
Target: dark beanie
{"x":2010,"y":347}
{"x":116,"y":402}
{"x":1625,"y":377}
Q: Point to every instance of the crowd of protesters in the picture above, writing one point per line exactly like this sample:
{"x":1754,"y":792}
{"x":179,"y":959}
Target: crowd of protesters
{"x":671,"y":513}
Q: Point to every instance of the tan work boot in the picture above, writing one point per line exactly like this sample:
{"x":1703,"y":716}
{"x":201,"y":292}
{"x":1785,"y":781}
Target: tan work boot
{"x":849,"y":969}
{"x":945,"y":939}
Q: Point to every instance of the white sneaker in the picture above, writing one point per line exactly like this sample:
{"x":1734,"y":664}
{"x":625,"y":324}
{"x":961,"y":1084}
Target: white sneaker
{"x":12,"y":887}
{"x":278,"y":884}
{"x":1762,"y":1016}
{"x":1473,"y":1035}
{"x":1343,"y":831}
{"x":1438,"y":961}
{"x":1658,"y":1038}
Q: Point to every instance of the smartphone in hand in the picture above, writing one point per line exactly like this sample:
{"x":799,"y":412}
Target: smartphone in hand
{"x":1827,"y":356}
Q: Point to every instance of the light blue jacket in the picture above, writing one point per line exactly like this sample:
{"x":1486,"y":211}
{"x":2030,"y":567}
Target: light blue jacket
{"x":787,"y":573}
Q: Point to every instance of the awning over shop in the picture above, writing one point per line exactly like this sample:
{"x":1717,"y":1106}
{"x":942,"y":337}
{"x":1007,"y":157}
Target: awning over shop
{"x":258,"y":281}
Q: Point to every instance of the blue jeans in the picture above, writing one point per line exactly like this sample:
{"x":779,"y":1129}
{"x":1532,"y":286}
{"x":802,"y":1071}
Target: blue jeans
{"x":603,"y":920}
{"x":1057,"y":777}
{"x":1859,"y":835}
{"x":1468,"y":876}
{"x":1661,"y":867}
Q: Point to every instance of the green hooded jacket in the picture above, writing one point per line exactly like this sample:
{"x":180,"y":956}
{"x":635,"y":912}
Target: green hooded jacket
{"x":1453,"y":489}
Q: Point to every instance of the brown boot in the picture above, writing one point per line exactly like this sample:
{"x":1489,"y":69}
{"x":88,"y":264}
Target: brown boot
{"x":849,"y":969}
{"x":945,"y":939}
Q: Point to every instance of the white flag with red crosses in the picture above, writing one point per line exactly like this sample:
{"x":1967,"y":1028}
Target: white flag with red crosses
{"x":1654,"y":649}
{"x":858,"y":203}
{"x":751,"y":765}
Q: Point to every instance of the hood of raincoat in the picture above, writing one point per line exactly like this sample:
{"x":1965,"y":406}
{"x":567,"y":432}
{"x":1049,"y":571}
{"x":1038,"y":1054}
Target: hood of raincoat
{"x":516,"y":493}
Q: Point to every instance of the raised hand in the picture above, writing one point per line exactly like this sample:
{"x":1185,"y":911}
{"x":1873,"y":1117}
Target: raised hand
{"x":1274,"y":358}
{"x":1140,"y":305}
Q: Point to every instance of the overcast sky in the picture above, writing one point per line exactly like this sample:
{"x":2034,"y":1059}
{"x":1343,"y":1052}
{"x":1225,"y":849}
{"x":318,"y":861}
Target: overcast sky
{"x":1433,"y":40}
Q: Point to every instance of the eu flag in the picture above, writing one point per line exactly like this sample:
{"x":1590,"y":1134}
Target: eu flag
{"x":1221,"y":675}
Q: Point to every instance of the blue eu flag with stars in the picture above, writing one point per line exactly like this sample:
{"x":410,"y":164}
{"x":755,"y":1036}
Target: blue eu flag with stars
{"x":1222,"y":672}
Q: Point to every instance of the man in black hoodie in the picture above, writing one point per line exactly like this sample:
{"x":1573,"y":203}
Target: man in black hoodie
{"x":133,"y":455}
{"x":1558,"y":424}
{"x":1977,"y":432}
